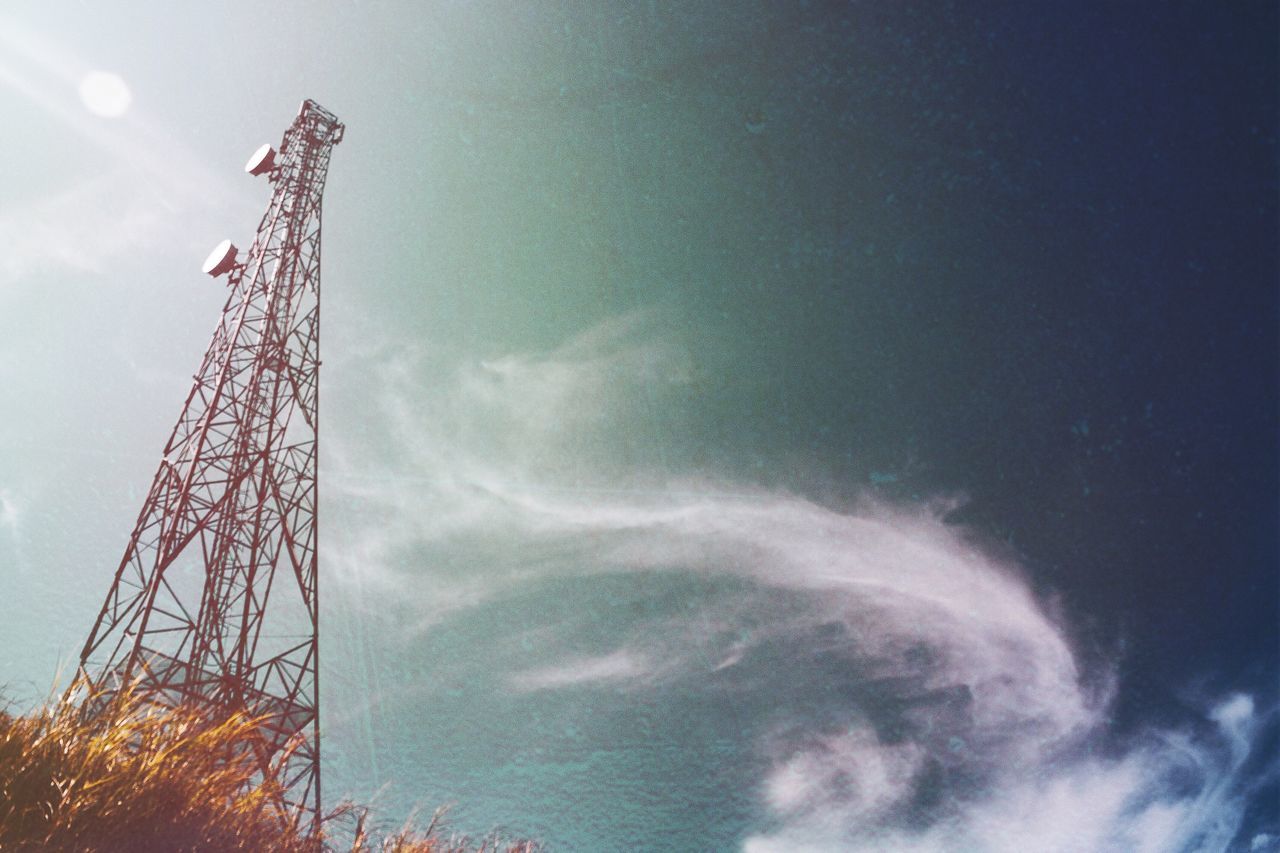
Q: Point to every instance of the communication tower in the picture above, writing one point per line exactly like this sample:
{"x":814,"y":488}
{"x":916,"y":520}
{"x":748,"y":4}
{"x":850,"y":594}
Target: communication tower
{"x":214,"y":603}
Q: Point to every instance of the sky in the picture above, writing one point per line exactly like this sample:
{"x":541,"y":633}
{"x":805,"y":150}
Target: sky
{"x":747,"y":426}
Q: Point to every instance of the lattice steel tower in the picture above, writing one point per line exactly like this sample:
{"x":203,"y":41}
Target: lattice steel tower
{"x":215,"y":600}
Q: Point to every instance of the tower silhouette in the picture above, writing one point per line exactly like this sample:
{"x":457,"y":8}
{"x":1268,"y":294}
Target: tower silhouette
{"x":215,"y":602}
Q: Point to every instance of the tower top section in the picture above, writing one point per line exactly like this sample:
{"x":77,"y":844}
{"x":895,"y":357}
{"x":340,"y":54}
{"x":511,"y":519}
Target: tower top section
{"x":319,"y":122}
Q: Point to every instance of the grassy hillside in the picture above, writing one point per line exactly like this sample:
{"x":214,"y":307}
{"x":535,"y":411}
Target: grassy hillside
{"x":133,"y":778}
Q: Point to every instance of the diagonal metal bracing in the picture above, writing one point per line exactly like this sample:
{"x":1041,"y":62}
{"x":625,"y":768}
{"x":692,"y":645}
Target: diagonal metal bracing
{"x":196,"y":612}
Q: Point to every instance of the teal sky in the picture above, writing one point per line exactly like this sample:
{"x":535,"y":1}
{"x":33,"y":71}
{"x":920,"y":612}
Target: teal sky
{"x":762,"y":426}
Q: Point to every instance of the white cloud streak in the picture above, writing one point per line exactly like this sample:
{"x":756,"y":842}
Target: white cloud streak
{"x":1137,"y":801}
{"x":621,"y":665}
{"x":484,"y":471}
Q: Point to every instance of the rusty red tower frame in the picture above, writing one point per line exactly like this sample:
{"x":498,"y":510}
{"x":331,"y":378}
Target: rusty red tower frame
{"x":215,"y":600}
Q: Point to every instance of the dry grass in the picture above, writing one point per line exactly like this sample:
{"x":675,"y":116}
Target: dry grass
{"x":135,"y":778}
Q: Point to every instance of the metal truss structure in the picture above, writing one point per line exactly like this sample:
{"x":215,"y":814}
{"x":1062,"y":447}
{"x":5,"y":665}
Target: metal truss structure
{"x":215,"y":600}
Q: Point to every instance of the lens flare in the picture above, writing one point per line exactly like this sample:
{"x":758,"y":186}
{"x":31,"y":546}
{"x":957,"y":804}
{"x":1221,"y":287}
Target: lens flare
{"x":105,"y":94}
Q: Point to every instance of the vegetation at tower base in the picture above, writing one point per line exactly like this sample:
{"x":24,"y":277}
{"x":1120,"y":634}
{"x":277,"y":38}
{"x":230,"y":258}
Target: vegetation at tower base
{"x":133,"y":777}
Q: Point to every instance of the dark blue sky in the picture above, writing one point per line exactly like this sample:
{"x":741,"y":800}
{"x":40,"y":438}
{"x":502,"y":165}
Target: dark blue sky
{"x":1125,"y":286}
{"x":1075,"y":321}
{"x":1095,"y":323}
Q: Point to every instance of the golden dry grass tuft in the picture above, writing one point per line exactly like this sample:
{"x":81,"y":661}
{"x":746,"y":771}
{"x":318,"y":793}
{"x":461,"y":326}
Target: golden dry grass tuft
{"x":131,"y":777}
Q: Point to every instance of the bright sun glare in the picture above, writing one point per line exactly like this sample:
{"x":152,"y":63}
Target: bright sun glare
{"x":105,"y":94}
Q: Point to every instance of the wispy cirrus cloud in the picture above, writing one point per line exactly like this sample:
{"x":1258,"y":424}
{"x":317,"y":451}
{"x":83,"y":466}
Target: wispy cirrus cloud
{"x":618,"y":666}
{"x":1168,"y":791}
{"x":967,"y":721}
